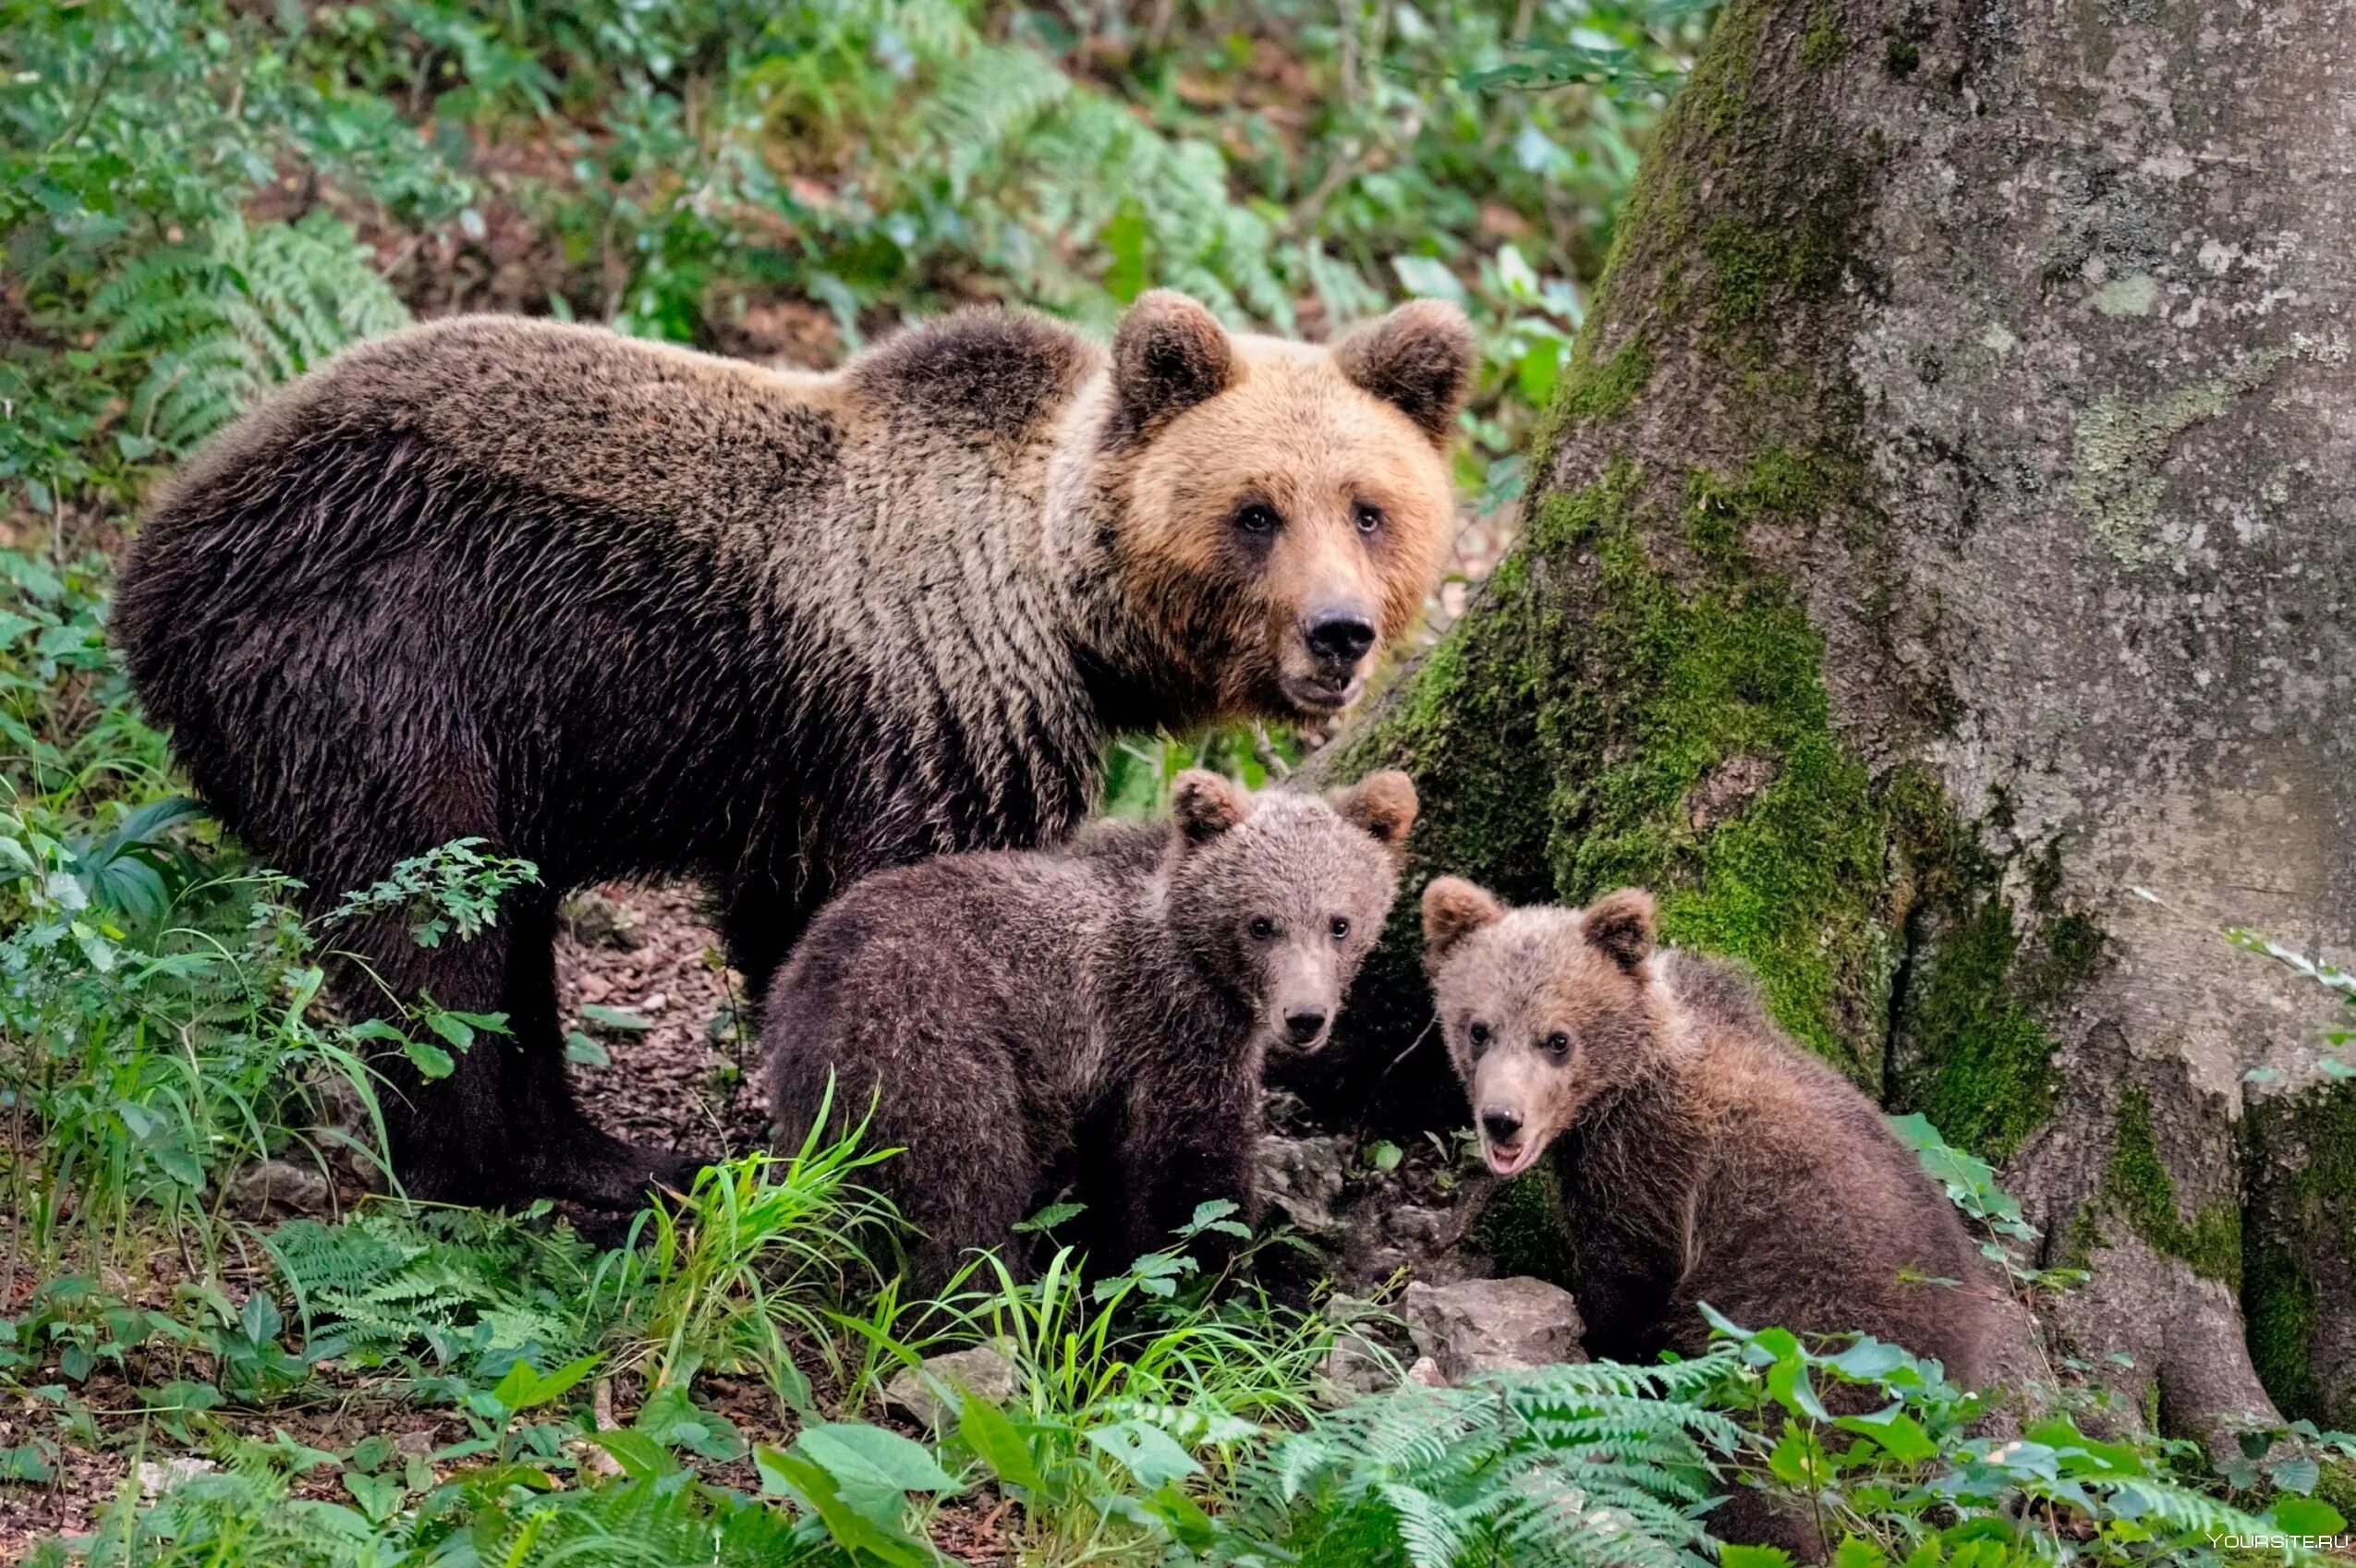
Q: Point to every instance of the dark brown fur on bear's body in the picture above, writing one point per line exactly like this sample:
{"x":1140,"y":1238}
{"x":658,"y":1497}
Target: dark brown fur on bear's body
{"x":1702,"y":1156}
{"x":1094,"y":1017}
{"x":627,"y":611}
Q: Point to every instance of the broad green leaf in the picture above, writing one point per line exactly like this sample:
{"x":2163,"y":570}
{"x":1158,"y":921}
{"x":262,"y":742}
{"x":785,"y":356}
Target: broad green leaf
{"x":1144,"y":1451}
{"x":997,"y":1443}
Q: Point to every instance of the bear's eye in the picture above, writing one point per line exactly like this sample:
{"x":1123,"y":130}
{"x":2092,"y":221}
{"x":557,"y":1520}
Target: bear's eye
{"x":1261,"y":927}
{"x":1478,"y":1035}
{"x":1367,"y":515}
{"x":1257,"y":518}
{"x":1339,"y":926}
{"x":1558,"y":1045}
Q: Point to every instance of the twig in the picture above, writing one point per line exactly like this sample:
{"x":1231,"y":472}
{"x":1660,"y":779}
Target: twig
{"x":602,"y":1413}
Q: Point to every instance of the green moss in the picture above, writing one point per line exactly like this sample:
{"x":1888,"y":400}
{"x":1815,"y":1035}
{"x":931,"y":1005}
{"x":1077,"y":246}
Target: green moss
{"x":1822,"y":44}
{"x":1524,"y":1230}
{"x":2298,"y":1171}
{"x":1990,"y":1080}
{"x":2082,"y":1239}
{"x":2136,"y":1185}
{"x":1593,"y":391}
{"x":1903,"y":58}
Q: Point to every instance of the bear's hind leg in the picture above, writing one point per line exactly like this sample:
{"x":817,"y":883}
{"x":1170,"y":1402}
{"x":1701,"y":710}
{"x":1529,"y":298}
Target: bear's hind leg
{"x":562,"y":1154}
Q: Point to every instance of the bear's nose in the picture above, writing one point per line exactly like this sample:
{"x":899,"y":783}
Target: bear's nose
{"x":1500,"y":1125}
{"x":1341,"y":638}
{"x":1304,"y":1025}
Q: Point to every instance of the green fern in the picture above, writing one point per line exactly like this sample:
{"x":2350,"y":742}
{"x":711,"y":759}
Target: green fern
{"x":1582,"y":1464}
{"x":389,"y":1282}
{"x":219,"y":320}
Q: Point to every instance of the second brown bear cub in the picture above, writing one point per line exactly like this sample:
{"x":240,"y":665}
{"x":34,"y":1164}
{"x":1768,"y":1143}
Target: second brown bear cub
{"x":1702,"y":1156}
{"x":1095,"y":1016}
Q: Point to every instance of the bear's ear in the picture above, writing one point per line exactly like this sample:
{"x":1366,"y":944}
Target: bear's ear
{"x":1454,"y":909}
{"x":1418,"y":358}
{"x":1384,"y":804}
{"x":1621,"y":925}
{"x":1203,"y":805}
{"x":1169,"y":355}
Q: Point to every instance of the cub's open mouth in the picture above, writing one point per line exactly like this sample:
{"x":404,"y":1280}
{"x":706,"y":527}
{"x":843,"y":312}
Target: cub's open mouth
{"x":1510,"y":1159}
{"x":1317,"y":694}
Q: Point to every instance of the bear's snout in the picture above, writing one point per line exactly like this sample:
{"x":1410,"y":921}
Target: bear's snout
{"x":1326,"y":666}
{"x":1305,"y":1023}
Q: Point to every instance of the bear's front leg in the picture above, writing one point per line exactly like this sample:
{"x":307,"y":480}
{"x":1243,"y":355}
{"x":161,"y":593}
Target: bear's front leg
{"x":1181,"y":1151}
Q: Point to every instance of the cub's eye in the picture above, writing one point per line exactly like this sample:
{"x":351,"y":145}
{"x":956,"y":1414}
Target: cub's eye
{"x":1558,"y":1045}
{"x":1478,"y":1035}
{"x":1339,"y":926}
{"x":1367,"y":515}
{"x":1261,"y":927}
{"x":1258,"y":517}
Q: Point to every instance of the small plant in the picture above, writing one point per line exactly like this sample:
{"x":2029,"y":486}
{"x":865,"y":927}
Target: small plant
{"x":752,"y":1261}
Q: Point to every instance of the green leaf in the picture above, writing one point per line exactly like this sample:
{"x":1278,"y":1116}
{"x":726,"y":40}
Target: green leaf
{"x":26,"y":1463}
{"x":1046,"y":1218}
{"x":579,"y":1048}
{"x":997,"y":1443}
{"x":2307,"y":1517}
{"x":377,"y":1495}
{"x":1799,"y":1459}
{"x":1383,"y":1155}
{"x":431,"y":1060}
{"x":1856,"y":1553}
{"x":1144,"y":1451}
{"x":874,"y":1454}
{"x":1754,"y":1557}
{"x":1429,"y":278}
{"x":1899,"y":1435}
{"x":809,"y":1484}
{"x":620,"y":1019}
{"x":526,"y":1386}
{"x":259,"y":1319}
{"x":1124,"y":238}
{"x":639,"y":1455}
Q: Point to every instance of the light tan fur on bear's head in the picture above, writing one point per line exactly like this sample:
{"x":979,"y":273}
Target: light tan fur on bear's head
{"x":1279,"y":895}
{"x":1546,"y":1012}
{"x":1285,"y":507}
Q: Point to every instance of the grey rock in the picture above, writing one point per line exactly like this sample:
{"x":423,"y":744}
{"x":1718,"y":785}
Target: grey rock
{"x":1301,"y":1177}
{"x":917,"y":1392}
{"x":1492,"y":1325}
{"x":154,"y":1478}
{"x":280,"y":1189}
{"x":599,"y":922}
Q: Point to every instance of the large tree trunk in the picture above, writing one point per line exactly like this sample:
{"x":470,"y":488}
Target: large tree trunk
{"x":1949,"y":526}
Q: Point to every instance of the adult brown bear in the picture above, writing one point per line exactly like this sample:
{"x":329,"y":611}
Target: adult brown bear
{"x":628,"y":611}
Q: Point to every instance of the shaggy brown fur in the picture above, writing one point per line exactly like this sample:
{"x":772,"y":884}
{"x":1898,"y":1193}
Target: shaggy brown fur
{"x":1095,"y":1015}
{"x":1702,"y":1156}
{"x":628,"y":610}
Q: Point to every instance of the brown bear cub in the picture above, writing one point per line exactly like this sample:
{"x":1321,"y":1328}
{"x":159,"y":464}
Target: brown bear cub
{"x":1095,"y":1016}
{"x":627,"y":611}
{"x":1702,"y":1156}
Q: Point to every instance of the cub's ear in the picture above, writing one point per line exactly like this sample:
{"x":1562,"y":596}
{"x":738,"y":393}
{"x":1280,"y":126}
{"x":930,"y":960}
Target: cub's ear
{"x":1203,"y":805}
{"x":1384,"y":804}
{"x":1454,"y":909}
{"x":1169,"y":355}
{"x":1418,"y":358}
{"x":1620,"y":925}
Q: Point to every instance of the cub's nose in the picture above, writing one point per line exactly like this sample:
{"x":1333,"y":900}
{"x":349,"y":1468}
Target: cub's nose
{"x":1500,"y":1125}
{"x":1303,"y":1026}
{"x":1341,"y":639}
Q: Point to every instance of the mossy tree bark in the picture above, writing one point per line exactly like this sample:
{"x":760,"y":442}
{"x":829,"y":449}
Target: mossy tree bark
{"x":1950,"y":525}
